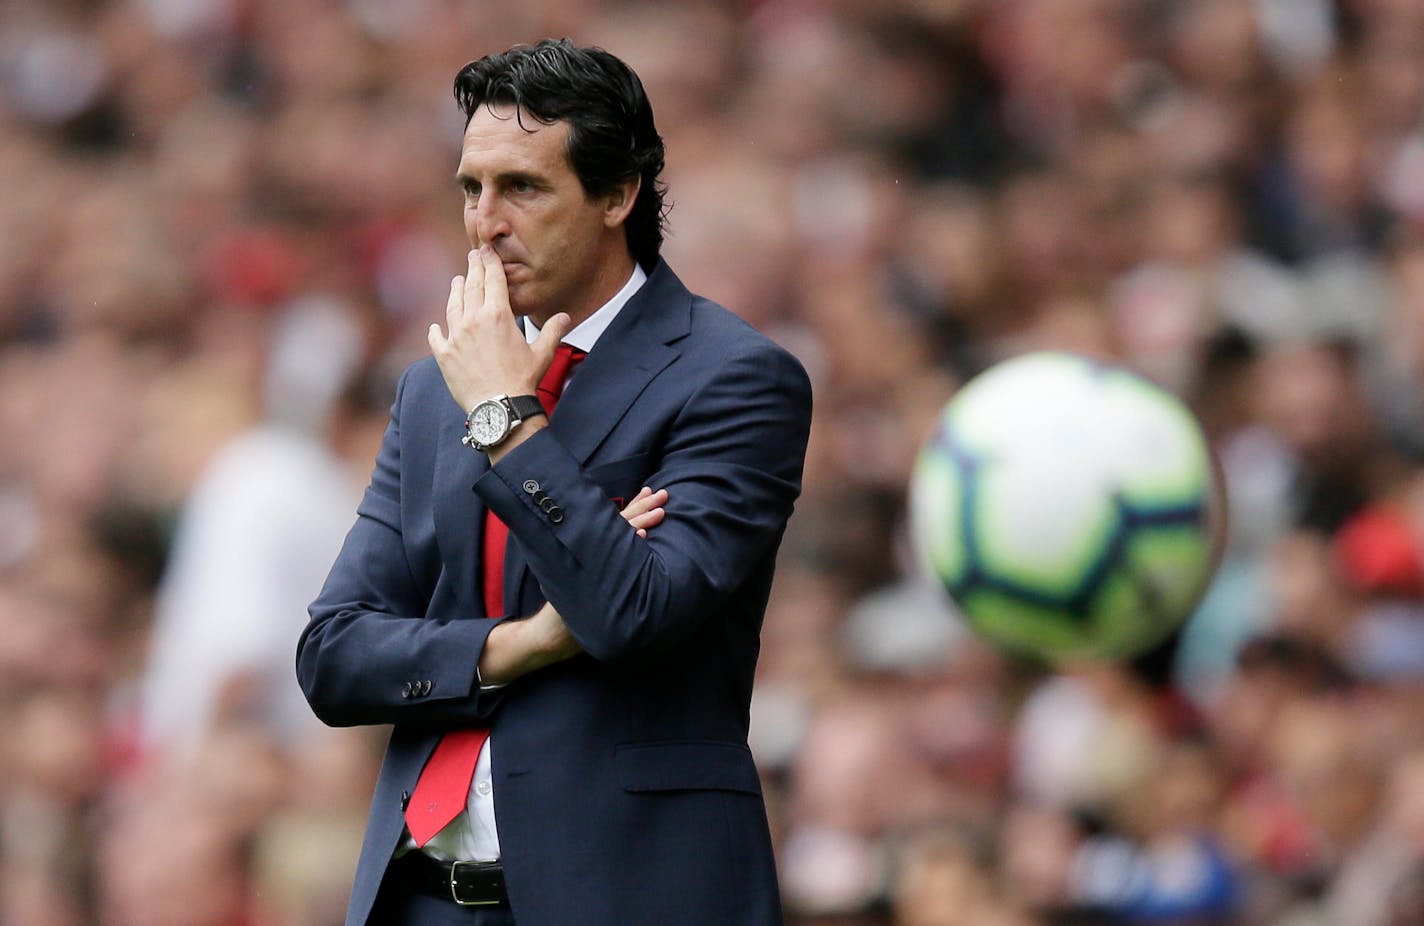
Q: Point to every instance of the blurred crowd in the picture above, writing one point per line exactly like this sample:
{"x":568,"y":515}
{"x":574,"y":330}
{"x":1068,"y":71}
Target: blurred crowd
{"x":226,"y":224}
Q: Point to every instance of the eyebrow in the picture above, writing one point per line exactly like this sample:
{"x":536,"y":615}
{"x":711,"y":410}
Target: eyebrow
{"x":464,"y":180}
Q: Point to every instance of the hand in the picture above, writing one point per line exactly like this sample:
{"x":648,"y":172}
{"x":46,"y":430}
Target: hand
{"x":645,"y":511}
{"x":516,"y":648}
{"x":485,"y":354}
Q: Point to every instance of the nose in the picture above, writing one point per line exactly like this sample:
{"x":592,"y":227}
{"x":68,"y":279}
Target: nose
{"x":490,"y":221}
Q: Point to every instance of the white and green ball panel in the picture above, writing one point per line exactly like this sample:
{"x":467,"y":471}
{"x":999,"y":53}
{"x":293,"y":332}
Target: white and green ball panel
{"x":1123,"y":616}
{"x":1030,"y":531}
{"x":1087,"y":422}
{"x":1082,"y":527}
{"x":1122,"y":588}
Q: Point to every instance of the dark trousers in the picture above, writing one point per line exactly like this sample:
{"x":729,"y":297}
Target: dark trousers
{"x":395,"y":906}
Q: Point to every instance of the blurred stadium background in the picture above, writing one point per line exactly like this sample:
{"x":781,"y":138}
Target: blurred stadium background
{"x":226,"y":224}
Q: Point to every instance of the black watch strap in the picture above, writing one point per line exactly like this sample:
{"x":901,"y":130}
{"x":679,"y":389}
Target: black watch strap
{"x":525,"y":407}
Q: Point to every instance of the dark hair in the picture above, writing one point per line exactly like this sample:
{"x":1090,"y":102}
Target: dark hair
{"x":612,"y":138}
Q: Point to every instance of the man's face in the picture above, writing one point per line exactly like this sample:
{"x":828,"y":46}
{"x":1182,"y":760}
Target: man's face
{"x":523,"y":198}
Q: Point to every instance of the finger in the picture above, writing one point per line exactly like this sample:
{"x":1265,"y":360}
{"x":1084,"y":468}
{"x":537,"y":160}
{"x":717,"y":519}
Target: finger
{"x":642,"y":533}
{"x":644,"y":502}
{"x":455,"y":305}
{"x":496,"y":286}
{"x":636,"y":506}
{"x":436,"y":337}
{"x":647,"y":500}
{"x":474,"y":289}
{"x":634,"y":517}
{"x":548,"y":341}
{"x":648,"y":519}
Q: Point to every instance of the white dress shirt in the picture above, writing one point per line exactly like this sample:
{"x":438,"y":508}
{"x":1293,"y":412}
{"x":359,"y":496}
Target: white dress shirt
{"x":473,"y":836}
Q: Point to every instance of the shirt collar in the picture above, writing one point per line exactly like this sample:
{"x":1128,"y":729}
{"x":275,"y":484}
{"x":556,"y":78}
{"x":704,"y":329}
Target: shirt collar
{"x":587,"y":332}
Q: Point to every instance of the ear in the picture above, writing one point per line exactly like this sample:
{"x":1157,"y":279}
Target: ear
{"x":618,"y":203}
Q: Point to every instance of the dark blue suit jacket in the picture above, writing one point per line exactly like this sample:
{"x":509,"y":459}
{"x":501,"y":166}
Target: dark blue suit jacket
{"x":624,"y":789}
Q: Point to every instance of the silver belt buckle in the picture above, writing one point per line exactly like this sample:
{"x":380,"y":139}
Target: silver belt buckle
{"x":455,"y":894}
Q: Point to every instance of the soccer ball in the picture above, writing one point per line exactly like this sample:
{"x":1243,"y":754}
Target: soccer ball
{"x":1070,"y":507}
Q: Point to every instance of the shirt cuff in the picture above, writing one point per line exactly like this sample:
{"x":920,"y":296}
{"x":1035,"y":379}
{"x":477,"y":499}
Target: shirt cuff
{"x":481,"y":682}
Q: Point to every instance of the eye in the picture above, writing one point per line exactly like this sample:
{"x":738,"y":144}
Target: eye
{"x":521,"y":186}
{"x":471,"y":189}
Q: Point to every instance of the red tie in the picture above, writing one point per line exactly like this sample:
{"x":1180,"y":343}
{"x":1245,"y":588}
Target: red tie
{"x":496,"y":532}
{"x":444,"y":785}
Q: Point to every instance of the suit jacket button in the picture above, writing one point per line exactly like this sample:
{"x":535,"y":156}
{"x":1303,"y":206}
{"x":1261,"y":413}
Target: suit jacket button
{"x":425,"y":687}
{"x":406,"y":690}
{"x":547,"y":504}
{"x":556,"y":514}
{"x":531,"y":486}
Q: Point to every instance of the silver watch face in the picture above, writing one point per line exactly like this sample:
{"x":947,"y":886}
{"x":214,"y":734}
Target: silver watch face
{"x":489,"y":423}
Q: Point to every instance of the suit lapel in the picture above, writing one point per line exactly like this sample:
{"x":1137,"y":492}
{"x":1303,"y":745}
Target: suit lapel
{"x":634,"y":349}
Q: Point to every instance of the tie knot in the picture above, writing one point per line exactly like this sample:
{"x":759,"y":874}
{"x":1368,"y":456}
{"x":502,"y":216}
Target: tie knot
{"x":566,"y":359}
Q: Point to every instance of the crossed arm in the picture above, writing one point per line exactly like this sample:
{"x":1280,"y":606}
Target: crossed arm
{"x":516,"y":648}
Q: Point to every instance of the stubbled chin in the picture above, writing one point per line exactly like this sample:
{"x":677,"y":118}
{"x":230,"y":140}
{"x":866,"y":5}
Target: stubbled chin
{"x":519,"y":303}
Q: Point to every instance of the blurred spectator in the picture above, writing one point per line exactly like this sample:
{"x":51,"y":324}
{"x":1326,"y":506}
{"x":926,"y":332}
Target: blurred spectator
{"x":255,"y":540}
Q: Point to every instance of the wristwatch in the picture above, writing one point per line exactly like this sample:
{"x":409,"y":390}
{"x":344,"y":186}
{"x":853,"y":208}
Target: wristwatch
{"x":491,"y":422}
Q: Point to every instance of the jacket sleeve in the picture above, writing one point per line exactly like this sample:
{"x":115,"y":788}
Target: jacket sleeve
{"x":369,"y":654}
{"x":731,"y":462}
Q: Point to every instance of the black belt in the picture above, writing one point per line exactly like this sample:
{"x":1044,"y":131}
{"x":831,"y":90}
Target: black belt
{"x":466,"y":883}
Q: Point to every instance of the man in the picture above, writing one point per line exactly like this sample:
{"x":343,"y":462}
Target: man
{"x":614,"y":672}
